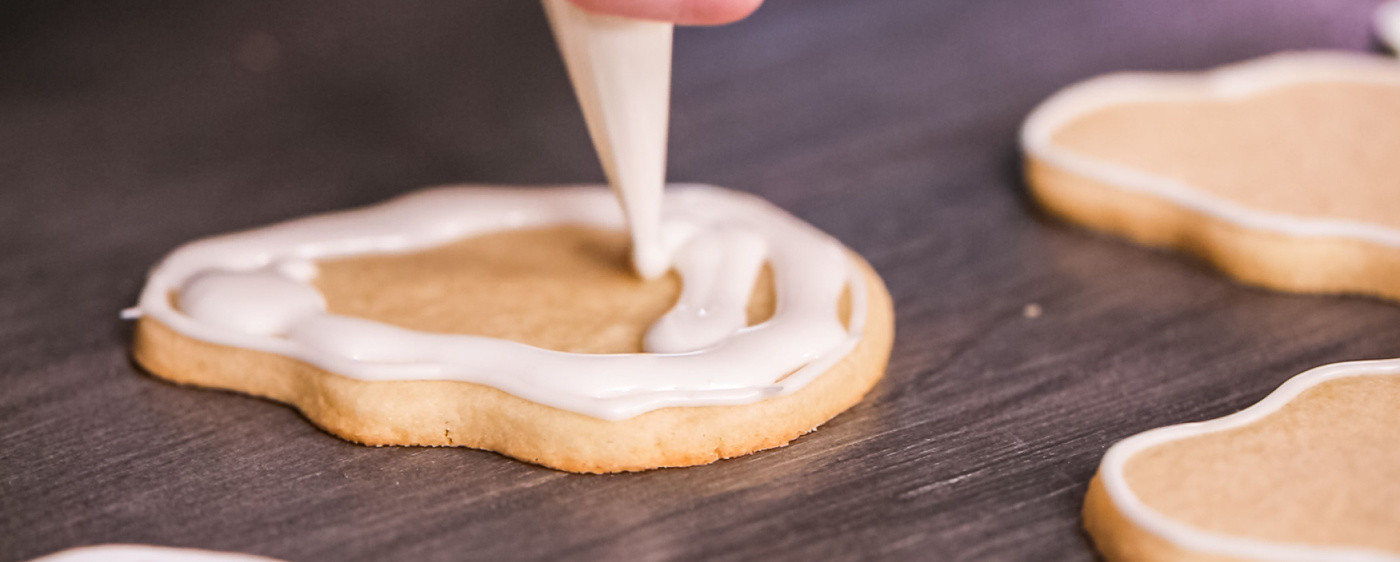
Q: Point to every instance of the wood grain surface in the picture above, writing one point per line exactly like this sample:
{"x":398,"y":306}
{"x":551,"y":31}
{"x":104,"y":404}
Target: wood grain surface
{"x":127,"y":128}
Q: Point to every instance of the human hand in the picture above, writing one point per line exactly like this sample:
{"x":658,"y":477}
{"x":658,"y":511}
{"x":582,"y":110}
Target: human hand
{"x":684,"y":12}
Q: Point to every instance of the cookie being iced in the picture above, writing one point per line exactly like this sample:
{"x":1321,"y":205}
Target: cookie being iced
{"x":1310,"y":473}
{"x":510,"y":320}
{"x":1283,"y":171}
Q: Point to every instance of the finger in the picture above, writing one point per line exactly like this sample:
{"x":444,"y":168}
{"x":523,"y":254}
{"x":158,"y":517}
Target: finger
{"x":684,"y":12}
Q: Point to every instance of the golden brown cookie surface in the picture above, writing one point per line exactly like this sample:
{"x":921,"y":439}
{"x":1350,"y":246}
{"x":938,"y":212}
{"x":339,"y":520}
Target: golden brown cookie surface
{"x":1319,"y":150}
{"x":561,"y":288}
{"x":1323,"y":469}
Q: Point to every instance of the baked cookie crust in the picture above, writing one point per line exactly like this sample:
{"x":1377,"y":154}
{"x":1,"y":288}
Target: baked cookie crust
{"x":451,"y":413}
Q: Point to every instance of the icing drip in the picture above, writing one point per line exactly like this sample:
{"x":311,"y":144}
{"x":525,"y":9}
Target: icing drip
{"x":264,"y":302}
{"x":253,"y":290}
{"x":720,"y":271}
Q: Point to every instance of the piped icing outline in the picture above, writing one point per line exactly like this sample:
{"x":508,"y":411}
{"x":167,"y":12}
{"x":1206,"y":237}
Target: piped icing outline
{"x":1190,"y":538}
{"x":1226,"y":82}
{"x":802,"y":340}
{"x":1388,"y":24}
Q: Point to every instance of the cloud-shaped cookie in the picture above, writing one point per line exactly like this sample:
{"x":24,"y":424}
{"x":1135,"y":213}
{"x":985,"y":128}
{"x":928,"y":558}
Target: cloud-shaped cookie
{"x":508,"y":319}
{"x":1283,"y":171}
{"x":1310,"y":473}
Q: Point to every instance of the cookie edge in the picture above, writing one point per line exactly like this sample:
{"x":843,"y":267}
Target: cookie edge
{"x":667,"y":437}
{"x":1126,"y":529}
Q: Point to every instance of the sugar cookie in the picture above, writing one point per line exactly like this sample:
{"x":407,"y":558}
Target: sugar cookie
{"x":1312,"y":472}
{"x":508,"y":319}
{"x":1281,"y":171}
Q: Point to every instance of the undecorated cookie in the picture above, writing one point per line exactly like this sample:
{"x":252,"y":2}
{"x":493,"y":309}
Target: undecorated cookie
{"x":1283,"y":171}
{"x":509,"y":320}
{"x":1310,"y":473}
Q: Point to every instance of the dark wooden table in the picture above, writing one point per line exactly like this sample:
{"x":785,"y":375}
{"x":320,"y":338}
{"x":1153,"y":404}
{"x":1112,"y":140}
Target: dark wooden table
{"x":127,"y":128}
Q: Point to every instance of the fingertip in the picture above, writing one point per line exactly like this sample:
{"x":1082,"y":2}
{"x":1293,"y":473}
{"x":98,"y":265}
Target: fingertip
{"x":683,"y":12}
{"x":715,"y":12}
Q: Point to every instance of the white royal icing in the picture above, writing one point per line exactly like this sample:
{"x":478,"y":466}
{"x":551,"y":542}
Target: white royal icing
{"x":143,"y":553}
{"x":1388,"y":24}
{"x":1191,"y":538}
{"x":253,"y":290}
{"x":1230,"y":82}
